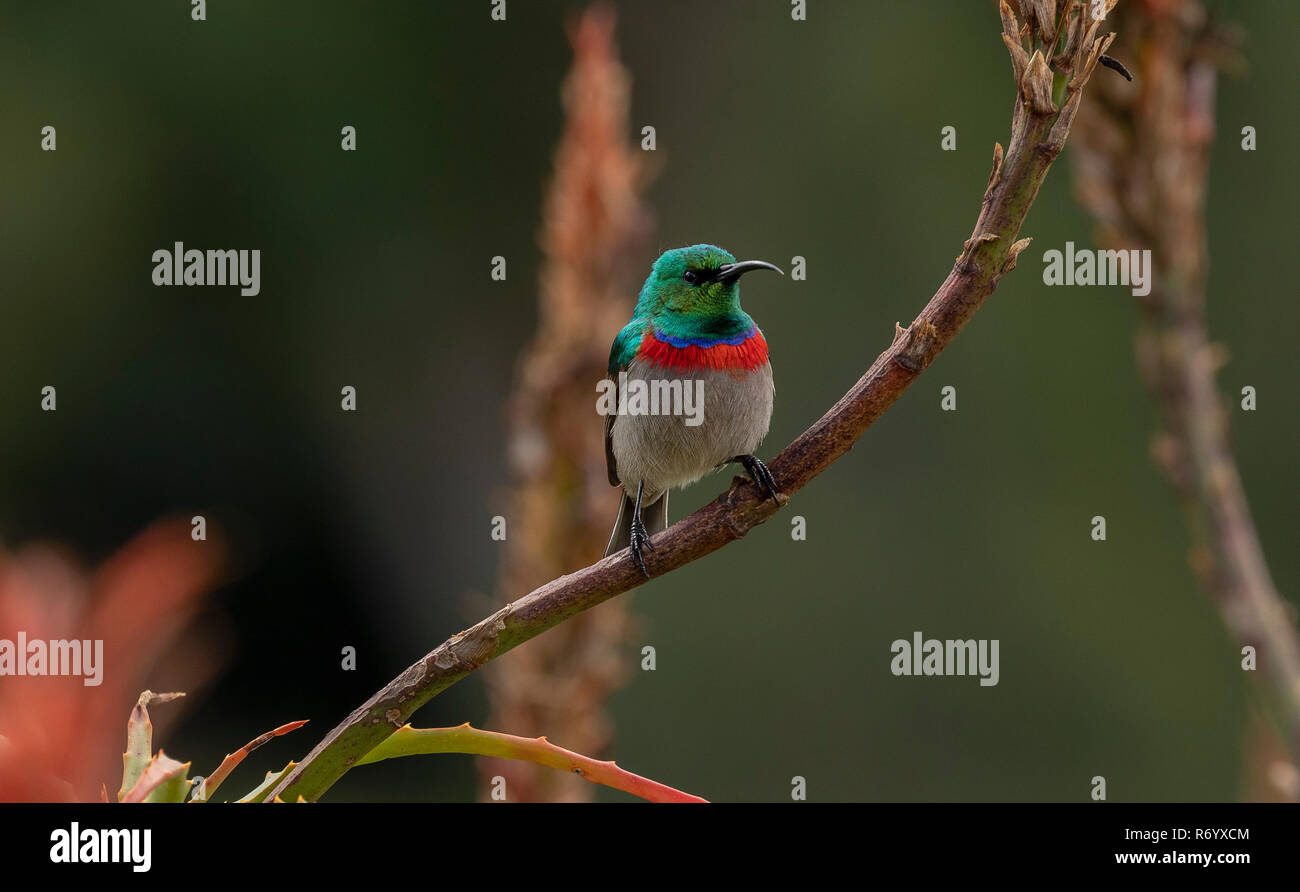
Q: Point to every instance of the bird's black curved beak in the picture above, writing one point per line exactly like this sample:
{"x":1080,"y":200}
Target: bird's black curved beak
{"x":729,"y":272}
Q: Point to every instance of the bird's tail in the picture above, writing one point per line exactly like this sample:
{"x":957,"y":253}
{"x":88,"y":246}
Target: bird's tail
{"x":654,"y":516}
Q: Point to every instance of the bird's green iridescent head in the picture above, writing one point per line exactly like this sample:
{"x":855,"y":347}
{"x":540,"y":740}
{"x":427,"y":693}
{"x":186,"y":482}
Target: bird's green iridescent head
{"x":700,"y":281}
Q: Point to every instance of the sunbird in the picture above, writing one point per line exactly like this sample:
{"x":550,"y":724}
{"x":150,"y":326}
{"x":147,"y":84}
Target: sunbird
{"x":687,"y":327}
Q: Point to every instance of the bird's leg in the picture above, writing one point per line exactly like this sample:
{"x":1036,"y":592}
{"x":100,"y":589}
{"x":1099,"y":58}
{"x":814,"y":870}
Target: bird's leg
{"x":759,"y":473}
{"x":640,"y":538}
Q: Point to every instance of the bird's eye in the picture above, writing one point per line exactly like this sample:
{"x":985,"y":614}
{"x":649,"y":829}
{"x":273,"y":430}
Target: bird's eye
{"x":692,"y":277}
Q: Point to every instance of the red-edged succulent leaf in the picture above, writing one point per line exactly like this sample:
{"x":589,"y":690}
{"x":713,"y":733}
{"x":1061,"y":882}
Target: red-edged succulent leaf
{"x":139,"y":739}
{"x":209,"y":785}
{"x":408,"y":741}
{"x":164,"y":780}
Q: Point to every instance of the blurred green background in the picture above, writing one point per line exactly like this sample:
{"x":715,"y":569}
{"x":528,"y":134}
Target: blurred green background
{"x":777,"y":139}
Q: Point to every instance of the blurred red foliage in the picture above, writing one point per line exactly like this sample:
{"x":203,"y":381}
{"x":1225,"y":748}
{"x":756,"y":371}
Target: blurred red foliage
{"x":59,"y":738}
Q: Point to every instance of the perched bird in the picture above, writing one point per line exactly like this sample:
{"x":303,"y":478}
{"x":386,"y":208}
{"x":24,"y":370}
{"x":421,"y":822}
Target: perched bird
{"x":687,"y":326}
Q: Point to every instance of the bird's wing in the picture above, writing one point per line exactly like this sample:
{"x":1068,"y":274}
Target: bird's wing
{"x":610,"y":464}
{"x":620,"y":357}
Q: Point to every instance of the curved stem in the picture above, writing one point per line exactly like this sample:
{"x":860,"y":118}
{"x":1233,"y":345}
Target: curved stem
{"x":408,"y":741}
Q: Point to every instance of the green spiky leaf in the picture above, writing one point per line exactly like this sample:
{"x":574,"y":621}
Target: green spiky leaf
{"x":139,"y":740}
{"x":259,"y":793}
{"x":408,"y":741}
{"x":208,"y":785}
{"x":163,"y":780}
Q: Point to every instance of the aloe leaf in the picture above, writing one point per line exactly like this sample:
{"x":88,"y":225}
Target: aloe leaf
{"x":139,"y":739}
{"x":258,"y":793}
{"x":208,"y":785}
{"x":163,"y":780}
{"x":408,"y":741}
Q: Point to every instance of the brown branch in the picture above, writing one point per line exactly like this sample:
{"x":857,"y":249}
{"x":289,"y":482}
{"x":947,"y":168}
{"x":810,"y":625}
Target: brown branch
{"x":1142,"y":168}
{"x":1038,"y":133}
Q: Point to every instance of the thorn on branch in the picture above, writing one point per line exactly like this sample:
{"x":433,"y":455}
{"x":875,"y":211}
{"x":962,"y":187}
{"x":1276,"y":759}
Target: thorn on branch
{"x":1019,"y":58}
{"x":971,"y":244}
{"x":918,"y":340}
{"x":995,"y":176}
{"x":1036,"y":85}
{"x":1013,"y":253}
{"x":1010,"y":27}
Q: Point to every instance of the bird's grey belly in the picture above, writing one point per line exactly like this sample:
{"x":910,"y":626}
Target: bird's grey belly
{"x":666,"y":452}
